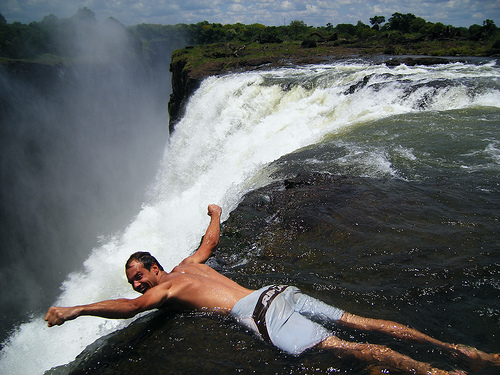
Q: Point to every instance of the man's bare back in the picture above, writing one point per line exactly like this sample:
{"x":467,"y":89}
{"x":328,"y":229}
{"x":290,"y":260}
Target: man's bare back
{"x":195,"y":286}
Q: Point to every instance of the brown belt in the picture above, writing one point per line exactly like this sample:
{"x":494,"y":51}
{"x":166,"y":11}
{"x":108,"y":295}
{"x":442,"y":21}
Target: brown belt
{"x":259,"y":313}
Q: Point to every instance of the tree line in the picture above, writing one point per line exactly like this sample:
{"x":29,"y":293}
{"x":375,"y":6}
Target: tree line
{"x":53,"y":36}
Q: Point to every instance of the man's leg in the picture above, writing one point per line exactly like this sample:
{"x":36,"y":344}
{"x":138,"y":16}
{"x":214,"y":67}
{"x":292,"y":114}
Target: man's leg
{"x":380,"y":355}
{"x":319,"y":311}
{"x":473,"y":356}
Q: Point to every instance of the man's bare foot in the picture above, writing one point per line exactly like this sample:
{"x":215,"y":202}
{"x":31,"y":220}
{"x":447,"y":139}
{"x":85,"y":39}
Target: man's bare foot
{"x":475,"y":357}
{"x":381,"y":370}
{"x":442,"y":372}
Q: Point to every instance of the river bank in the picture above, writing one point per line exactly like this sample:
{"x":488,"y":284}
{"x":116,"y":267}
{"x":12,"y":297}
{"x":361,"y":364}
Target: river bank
{"x":190,"y":65}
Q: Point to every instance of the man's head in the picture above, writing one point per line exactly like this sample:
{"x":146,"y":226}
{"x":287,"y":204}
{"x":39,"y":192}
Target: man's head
{"x":143,"y":271}
{"x":145,"y":258}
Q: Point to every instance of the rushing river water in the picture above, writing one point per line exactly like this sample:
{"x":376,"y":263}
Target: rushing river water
{"x":406,"y":227}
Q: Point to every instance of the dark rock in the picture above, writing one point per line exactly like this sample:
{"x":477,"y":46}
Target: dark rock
{"x":358,"y":85}
{"x":411,"y":61}
{"x":311,"y":179}
{"x":183,"y":85}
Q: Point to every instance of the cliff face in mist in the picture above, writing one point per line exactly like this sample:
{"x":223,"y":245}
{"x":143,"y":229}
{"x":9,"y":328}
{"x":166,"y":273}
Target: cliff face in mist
{"x":80,"y":143}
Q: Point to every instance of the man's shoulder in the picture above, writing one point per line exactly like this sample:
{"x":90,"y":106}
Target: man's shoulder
{"x":188,"y":268}
{"x":180,"y":273}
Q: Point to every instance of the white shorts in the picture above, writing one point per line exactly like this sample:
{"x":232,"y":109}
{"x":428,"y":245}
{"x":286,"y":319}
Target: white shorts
{"x":288,"y":319}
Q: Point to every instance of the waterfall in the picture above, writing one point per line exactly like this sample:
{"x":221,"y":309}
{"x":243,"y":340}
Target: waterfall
{"x":234,"y":126}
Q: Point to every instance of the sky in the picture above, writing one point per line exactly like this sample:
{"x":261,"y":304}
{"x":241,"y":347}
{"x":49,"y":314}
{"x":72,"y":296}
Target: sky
{"x":267,"y":12}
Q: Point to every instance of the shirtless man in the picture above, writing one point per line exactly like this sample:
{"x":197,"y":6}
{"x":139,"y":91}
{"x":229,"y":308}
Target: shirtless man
{"x":281,"y":314}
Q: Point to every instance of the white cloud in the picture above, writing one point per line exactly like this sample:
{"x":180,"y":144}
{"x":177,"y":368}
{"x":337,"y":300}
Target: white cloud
{"x":286,"y":5}
{"x":269,"y":12}
{"x":237,"y":8}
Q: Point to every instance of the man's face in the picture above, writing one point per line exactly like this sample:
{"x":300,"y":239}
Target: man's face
{"x":140,"y":278}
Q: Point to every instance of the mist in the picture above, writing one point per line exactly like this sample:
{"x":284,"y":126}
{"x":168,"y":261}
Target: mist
{"x":79,"y":147}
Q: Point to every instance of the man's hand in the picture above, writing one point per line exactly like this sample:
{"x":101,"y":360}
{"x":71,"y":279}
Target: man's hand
{"x":58,"y":315}
{"x":214,"y":209}
{"x":211,"y":238}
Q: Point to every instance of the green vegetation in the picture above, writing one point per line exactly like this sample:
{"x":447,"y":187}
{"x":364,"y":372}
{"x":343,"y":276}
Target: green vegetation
{"x":51,"y":41}
{"x":402,"y":34}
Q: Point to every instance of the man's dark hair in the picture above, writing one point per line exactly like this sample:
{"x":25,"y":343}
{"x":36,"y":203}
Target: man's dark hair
{"x":145,"y":258}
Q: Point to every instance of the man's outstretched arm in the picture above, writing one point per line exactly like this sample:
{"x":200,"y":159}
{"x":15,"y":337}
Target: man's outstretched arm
{"x":211,"y":238}
{"x":112,"y":309}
